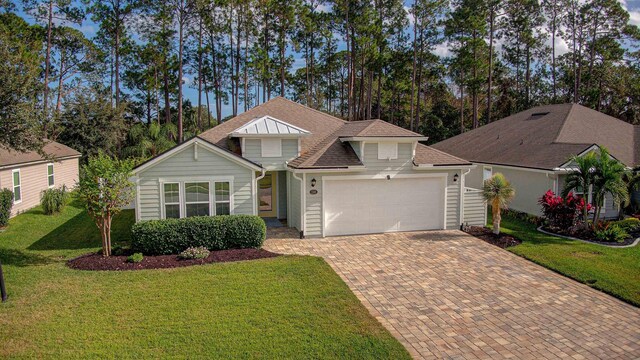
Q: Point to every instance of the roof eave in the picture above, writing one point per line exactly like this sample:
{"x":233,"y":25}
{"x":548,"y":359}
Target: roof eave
{"x":385,"y":138}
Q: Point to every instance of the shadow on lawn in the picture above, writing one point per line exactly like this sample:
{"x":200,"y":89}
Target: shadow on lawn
{"x":80,"y":232}
{"x":20,"y":258}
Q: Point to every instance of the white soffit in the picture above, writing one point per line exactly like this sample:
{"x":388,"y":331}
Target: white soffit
{"x":269,"y":126}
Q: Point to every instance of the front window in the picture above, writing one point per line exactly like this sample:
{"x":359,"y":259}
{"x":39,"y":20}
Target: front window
{"x":197,"y":198}
{"x":223,"y":198}
{"x":50,"y":177}
{"x":17,"y":188}
{"x":172,"y":201}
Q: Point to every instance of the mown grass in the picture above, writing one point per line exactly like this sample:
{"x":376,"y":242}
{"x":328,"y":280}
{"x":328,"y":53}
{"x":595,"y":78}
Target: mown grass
{"x":614,"y":271}
{"x":285,"y":307}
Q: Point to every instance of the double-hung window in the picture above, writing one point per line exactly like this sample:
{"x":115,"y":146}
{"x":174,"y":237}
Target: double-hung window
{"x":171,"y":200}
{"x":197,"y":198}
{"x":17,"y":187}
{"x":222,"y":198}
{"x":50,"y":177}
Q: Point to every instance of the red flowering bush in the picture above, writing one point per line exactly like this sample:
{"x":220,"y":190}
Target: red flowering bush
{"x":562,"y":212}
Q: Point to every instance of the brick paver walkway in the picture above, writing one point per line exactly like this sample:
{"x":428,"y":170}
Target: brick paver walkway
{"x":448,"y":295}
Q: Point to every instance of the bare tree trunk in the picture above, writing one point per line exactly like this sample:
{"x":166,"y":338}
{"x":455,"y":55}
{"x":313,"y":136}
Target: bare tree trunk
{"x":117,"y":56}
{"x":47,"y":69}
{"x":60,"y":81}
{"x":180,"y":53}
{"x":413,"y":76}
{"x":200,"y":76}
{"x":490,"y":77}
{"x":461,"y":101}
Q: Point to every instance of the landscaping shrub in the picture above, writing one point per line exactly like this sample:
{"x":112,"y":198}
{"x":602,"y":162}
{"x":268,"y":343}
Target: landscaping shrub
{"x":54,"y":200}
{"x":172,"y":236}
{"x":523,"y":216}
{"x":135,"y":258}
{"x":559,"y":212}
{"x":628,"y":224}
{"x":199,"y":252}
{"x":609,"y":232}
{"x":6,"y":203}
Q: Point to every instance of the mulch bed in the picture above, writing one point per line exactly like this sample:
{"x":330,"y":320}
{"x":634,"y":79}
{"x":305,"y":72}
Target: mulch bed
{"x":588,"y":237}
{"x":95,"y":261}
{"x":502,"y":240}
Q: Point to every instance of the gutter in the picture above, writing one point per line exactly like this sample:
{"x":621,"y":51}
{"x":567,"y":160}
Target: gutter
{"x":327,"y":170}
{"x":303,"y":199}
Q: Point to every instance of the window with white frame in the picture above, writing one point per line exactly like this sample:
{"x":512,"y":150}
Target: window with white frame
{"x":17,"y":187}
{"x":487,"y":173}
{"x":387,"y":150}
{"x":171,"y":200}
{"x":223,"y":198}
{"x":271,"y":147}
{"x":50,"y":177}
{"x":197,"y":199}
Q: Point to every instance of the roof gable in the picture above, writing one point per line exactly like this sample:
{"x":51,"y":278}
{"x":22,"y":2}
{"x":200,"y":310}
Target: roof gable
{"x":53,"y":149}
{"x":269,"y":126}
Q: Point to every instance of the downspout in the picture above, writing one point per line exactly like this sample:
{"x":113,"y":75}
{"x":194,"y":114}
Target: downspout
{"x":462,"y":191}
{"x":303,"y":200}
{"x":255,"y":191}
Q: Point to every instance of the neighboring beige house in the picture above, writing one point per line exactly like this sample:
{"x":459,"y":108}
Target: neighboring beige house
{"x":325,"y":176}
{"x":28,"y":174}
{"x":532,"y":149}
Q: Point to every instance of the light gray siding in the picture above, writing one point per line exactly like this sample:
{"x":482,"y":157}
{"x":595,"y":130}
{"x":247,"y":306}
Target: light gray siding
{"x":610,"y":210}
{"x":453,"y":203}
{"x":295,"y":202}
{"x":403,"y":164}
{"x":253,"y":152}
{"x":181,"y":167}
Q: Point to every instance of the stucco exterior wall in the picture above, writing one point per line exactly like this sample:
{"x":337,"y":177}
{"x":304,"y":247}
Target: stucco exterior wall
{"x":34,"y":180}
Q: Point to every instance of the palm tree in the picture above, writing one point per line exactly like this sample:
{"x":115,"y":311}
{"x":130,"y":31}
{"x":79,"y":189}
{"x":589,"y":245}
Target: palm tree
{"x":150,"y":141}
{"x":609,"y":179}
{"x":498,"y":192}
{"x":581,"y":178}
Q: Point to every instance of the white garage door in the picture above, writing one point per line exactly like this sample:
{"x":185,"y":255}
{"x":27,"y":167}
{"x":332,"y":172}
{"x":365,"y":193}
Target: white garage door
{"x":365,"y":206}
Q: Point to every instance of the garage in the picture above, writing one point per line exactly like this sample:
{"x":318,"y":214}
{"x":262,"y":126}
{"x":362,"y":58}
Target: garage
{"x":376,"y":205}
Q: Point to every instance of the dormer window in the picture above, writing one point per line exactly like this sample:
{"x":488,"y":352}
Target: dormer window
{"x":387,"y":150}
{"x":271,"y":147}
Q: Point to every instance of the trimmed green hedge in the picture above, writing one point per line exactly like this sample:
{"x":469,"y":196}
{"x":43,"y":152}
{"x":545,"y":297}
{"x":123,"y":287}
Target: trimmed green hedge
{"x":172,"y":236}
{"x":6,"y":203}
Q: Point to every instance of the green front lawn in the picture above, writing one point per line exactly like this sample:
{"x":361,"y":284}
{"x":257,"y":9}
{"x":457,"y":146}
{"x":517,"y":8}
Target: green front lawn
{"x":285,"y":307}
{"x":614,"y":271}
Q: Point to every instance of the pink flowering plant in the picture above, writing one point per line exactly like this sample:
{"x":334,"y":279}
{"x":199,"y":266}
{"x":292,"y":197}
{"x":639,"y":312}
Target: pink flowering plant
{"x":562,"y":212}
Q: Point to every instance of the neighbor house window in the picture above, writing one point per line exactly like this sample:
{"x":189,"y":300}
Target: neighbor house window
{"x":271,"y":147}
{"x":17,"y":188}
{"x":196,"y":198}
{"x":50,"y":177}
{"x":387,"y":151}
{"x":171,"y":200}
{"x":223,"y":198}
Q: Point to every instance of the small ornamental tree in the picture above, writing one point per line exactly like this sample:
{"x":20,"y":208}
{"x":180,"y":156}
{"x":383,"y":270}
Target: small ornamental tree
{"x":498,"y":192}
{"x":105,"y":188}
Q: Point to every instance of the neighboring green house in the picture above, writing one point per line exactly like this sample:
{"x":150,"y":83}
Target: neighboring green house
{"x":325,"y":176}
{"x":532,"y":148}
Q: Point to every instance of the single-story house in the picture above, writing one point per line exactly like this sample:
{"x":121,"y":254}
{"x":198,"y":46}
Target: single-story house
{"x":532,"y":149}
{"x":27,"y":174}
{"x":324,"y":175}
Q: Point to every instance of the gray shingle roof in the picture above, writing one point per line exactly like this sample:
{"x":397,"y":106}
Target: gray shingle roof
{"x":53,"y":149}
{"x":545,"y":137}
{"x":323,"y":148}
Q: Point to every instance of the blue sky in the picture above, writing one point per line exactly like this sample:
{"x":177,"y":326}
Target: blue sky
{"x":89,"y":29}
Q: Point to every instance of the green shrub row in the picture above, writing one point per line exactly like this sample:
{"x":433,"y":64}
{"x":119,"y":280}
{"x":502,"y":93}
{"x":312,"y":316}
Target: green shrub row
{"x":172,"y":236}
{"x":6,"y":203}
{"x":628,"y":224}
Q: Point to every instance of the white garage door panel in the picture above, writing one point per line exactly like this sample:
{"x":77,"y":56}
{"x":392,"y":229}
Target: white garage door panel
{"x":380,"y":205}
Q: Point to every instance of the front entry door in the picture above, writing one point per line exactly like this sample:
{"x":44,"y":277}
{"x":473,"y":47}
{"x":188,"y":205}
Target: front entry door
{"x":267,"y":195}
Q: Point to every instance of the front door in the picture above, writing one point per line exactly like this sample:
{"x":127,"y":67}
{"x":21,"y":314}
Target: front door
{"x":267,"y":195}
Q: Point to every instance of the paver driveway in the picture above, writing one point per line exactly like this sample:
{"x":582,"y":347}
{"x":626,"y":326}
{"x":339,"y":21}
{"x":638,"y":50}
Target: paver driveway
{"x":446,"y":294}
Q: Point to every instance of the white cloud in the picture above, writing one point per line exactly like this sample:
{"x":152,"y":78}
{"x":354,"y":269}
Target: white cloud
{"x":442,"y":50}
{"x":634,"y":17}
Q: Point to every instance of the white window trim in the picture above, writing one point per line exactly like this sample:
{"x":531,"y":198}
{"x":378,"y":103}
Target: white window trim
{"x":53,"y":175}
{"x":216,"y":202}
{"x":14,"y":185}
{"x":163,"y":209}
{"x":391,"y":155}
{"x":276,"y":153}
{"x":185,"y":202}
{"x":182,"y":193}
